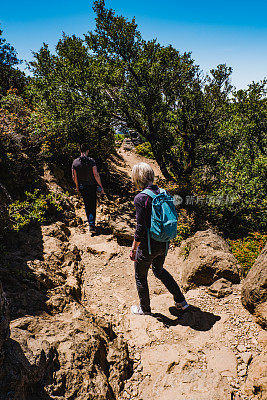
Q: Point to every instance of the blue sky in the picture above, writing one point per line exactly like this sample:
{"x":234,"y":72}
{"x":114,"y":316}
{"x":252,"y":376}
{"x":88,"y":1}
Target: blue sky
{"x":232,"y":32}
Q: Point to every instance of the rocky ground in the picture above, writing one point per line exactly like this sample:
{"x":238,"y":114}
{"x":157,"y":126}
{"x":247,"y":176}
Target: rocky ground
{"x":75,"y":338}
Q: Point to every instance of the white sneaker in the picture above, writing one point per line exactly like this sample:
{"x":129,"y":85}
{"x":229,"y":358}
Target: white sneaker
{"x":138,"y":310}
{"x":182,"y":306}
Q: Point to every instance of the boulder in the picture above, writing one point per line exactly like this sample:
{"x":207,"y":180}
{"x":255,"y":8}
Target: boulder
{"x":123,"y":229}
{"x":92,"y":364}
{"x":254,"y":289}
{"x":57,"y":230}
{"x":220,"y":288}
{"x":256,"y":383}
{"x":205,"y":258}
{"x":261,"y":314}
{"x":22,"y":378}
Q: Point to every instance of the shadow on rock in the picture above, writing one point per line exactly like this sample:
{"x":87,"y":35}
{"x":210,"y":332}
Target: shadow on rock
{"x":103,"y":228}
{"x":21,"y":380}
{"x":194,"y":317}
{"x":25,"y":295}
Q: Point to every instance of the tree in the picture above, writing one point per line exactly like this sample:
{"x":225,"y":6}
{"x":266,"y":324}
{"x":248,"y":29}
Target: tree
{"x":156,"y":90}
{"x":238,"y":155}
{"x":10,"y":77}
{"x":66,"y":87}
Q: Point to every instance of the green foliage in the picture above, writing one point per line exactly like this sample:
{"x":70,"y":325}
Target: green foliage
{"x":66,"y":88}
{"x":119,"y":138}
{"x":37,"y":208}
{"x":183,"y":232}
{"x":185,"y":226}
{"x":144,"y":149}
{"x":247,"y":249}
{"x":155,"y":83}
{"x":22,"y":131}
{"x":236,"y":160}
{"x":10,"y":77}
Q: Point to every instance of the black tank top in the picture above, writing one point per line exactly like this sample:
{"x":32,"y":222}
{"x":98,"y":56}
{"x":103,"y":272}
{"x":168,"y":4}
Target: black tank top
{"x":84,"y":169}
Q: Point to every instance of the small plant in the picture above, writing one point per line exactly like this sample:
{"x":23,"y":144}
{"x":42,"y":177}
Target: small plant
{"x":144,"y":149}
{"x":186,"y":251}
{"x":36,"y":208}
{"x":247,"y":249}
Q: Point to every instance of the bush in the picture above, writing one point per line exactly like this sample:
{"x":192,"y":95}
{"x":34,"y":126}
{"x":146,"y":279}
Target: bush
{"x":119,"y":138}
{"x":185,"y":227}
{"x":247,"y":249}
{"x":144,"y":149}
{"x":36,"y":208}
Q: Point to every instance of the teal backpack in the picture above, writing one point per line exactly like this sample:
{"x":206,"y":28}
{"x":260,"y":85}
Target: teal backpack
{"x":163,"y":218}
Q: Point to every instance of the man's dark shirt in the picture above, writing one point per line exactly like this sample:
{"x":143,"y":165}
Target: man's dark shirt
{"x":143,"y":206}
{"x":84,"y":169}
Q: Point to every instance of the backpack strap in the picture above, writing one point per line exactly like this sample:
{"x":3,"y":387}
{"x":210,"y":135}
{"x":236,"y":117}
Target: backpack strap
{"x":152,"y":195}
{"x":148,"y":241}
{"x":149,"y":193}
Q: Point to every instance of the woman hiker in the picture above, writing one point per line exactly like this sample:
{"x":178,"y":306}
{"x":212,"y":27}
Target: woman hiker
{"x":87,"y":179}
{"x":143,"y":178}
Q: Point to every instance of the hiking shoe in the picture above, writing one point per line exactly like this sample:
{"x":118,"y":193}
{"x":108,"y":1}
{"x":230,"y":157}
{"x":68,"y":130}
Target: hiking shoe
{"x":182,"y":306}
{"x":92,"y":230}
{"x":138,"y":310}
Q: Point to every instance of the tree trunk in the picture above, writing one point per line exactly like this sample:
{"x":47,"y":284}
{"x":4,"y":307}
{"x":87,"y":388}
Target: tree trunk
{"x":160,"y":160}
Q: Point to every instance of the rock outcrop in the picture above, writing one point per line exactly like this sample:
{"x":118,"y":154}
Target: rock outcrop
{"x":123,"y":229}
{"x":220,"y":288}
{"x":92,"y":362}
{"x":256,"y":383}
{"x":56,"y":349}
{"x":254,"y":289}
{"x":205,"y":258}
{"x":22,"y":378}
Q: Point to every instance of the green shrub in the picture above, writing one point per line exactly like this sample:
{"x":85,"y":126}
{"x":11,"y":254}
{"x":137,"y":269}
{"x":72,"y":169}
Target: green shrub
{"x":119,"y":138}
{"x":247,"y":249}
{"x":144,"y":149}
{"x":36,"y":208}
{"x":185,"y":227}
{"x":183,"y":232}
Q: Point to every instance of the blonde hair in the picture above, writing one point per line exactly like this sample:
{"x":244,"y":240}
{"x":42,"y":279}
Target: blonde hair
{"x":142,"y":175}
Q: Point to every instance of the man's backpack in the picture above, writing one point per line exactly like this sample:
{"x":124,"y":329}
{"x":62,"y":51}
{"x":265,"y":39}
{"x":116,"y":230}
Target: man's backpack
{"x":163,"y":218}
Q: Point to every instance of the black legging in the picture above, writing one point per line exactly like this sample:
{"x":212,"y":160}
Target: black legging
{"x":88,"y":193}
{"x":142,"y":264}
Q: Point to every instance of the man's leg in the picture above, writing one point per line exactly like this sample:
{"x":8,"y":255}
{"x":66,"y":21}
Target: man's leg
{"x":165,"y":277}
{"x":89,"y":197}
{"x":92,"y":205}
{"x":141,"y":265}
{"x":84,"y":194}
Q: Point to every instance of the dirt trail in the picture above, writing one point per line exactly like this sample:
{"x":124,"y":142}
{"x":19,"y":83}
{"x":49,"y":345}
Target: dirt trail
{"x":131,"y":158}
{"x":201,"y":354}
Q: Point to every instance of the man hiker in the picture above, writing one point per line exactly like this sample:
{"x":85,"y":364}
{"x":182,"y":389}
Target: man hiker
{"x":87,"y":179}
{"x":146,"y":250}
